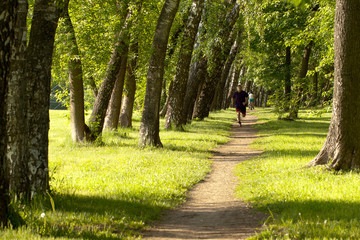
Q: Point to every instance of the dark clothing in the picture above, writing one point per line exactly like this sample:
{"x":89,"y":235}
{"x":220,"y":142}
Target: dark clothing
{"x":240,"y":99}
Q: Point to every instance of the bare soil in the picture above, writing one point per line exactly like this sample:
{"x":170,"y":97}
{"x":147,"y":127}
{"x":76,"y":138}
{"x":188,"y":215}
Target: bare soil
{"x":212,"y":210}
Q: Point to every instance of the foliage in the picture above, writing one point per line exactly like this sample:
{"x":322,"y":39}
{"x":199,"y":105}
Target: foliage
{"x":113,"y":189}
{"x":270,"y":27}
{"x":305,"y":203}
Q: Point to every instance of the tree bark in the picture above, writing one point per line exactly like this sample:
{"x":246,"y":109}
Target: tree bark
{"x":130,"y":89}
{"x":7,"y":39}
{"x":287,"y":86}
{"x":314,"y":90}
{"x":149,"y":128}
{"x":38,"y":76}
{"x":234,"y":81}
{"x":225,"y":74}
{"x":98,"y":114}
{"x":93,"y":87}
{"x":164,"y":110}
{"x":16,"y":151}
{"x":342,"y":146}
{"x":175,"y":108}
{"x":76,"y":83}
{"x":197,"y":77}
{"x":220,"y":50}
{"x":294,"y":109}
{"x":113,"y":111}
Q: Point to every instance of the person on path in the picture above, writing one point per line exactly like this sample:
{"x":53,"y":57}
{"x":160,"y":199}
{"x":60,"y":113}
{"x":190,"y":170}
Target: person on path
{"x":240,"y":99}
{"x":251,"y":99}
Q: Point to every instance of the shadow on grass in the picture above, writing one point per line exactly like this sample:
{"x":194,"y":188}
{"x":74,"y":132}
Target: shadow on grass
{"x":317,"y":219}
{"x":89,"y":217}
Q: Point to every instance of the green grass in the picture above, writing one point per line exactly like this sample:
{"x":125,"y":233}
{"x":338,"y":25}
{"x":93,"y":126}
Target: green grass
{"x":306,"y":203}
{"x":113,"y":189}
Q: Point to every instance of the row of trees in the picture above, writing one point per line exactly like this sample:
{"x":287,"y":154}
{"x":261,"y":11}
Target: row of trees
{"x":179,"y":59}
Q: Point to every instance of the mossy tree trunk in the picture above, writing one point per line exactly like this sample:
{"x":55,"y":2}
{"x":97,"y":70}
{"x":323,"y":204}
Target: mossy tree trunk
{"x":341,"y":149}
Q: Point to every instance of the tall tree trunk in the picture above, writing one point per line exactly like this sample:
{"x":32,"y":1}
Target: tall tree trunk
{"x":294,"y":109}
{"x":38,"y":76}
{"x":228,"y":85}
{"x":125,"y":119}
{"x":98,"y":114}
{"x":76,"y":83}
{"x":175,"y":109}
{"x":113,"y":111}
{"x":149,"y":128}
{"x":164,"y":109}
{"x":225,"y":73}
{"x":314,"y":90}
{"x":16,"y":107}
{"x":234,"y":81}
{"x":220,"y":50}
{"x":197,"y":76}
{"x":342,"y":146}
{"x":93,"y":87}
{"x":7,"y":39}
{"x":287,"y":87}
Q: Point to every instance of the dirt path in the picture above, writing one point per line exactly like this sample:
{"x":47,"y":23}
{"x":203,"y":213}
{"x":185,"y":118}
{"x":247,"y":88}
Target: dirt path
{"x":212,"y":211}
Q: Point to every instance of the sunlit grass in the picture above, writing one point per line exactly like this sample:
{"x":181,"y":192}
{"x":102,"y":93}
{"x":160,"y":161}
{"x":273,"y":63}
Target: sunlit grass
{"x":112,"y":189}
{"x":306,"y":203}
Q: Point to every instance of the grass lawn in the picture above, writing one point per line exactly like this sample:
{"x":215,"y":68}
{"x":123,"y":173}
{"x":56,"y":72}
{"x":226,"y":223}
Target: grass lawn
{"x":303,"y":203}
{"x":113,"y":189}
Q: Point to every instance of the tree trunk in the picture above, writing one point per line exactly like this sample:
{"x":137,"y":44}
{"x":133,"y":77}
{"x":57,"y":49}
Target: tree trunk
{"x":7,"y":38}
{"x":294,"y":109}
{"x":232,"y":87}
{"x":130,"y":89}
{"x":225,"y":74}
{"x":342,"y":146}
{"x":113,"y":111}
{"x":197,"y":76}
{"x":164,"y":110}
{"x":228,"y":85}
{"x":98,"y":114}
{"x":76,"y":83}
{"x":314,"y":90}
{"x":175,"y":108}
{"x":287,"y":86}
{"x":38,"y":76}
{"x":16,"y":151}
{"x":93,"y":87}
{"x":149,"y":128}
{"x":220,"y":51}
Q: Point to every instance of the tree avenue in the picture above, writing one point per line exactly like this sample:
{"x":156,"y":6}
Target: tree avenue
{"x":116,"y":61}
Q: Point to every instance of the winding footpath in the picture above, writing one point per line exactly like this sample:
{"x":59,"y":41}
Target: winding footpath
{"x":212,"y":210}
